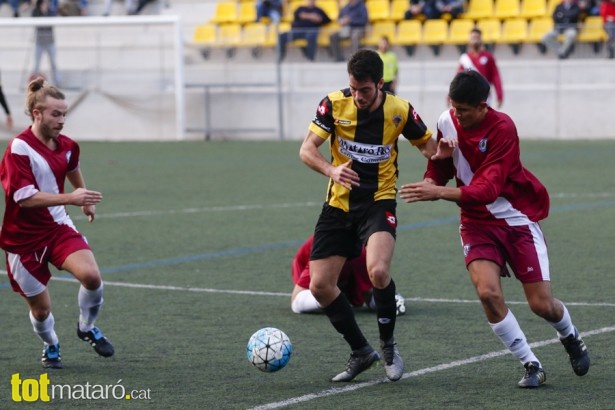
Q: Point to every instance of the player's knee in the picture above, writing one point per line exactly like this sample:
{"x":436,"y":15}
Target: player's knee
{"x":91,"y":280}
{"x":40,"y":313}
{"x":379,"y":276}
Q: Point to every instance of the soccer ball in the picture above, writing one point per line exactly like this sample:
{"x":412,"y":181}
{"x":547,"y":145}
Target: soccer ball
{"x":269,"y":349}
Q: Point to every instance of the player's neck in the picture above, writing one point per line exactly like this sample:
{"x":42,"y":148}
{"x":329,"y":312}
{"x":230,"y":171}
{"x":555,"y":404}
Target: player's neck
{"x":50,"y":142}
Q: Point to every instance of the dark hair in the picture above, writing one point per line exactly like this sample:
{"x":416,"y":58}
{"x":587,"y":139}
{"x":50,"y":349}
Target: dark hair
{"x":469,"y":87}
{"x":476,"y":30}
{"x":38,"y":91}
{"x":365,"y":65}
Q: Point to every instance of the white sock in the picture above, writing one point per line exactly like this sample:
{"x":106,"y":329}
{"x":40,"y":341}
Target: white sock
{"x":305,"y":302}
{"x":45,"y":329}
{"x":510,"y":333}
{"x":90,"y":302}
{"x":564,"y":327}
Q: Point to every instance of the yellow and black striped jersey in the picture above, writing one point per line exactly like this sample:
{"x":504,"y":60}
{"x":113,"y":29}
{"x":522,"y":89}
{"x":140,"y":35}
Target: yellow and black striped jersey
{"x":370,"y":140}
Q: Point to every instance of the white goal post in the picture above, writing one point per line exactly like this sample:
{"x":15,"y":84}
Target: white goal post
{"x":111,"y":56}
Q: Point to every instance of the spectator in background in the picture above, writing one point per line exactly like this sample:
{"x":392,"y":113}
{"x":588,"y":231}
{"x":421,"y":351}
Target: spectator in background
{"x":14,"y":5}
{"x":607,"y":12}
{"x":353,"y":19}
{"x":566,"y":19}
{"x":449,"y":9}
{"x":422,"y":9}
{"x":391,"y":66}
{"x":306,"y":22}
{"x":5,"y":106}
{"x":272,"y":9}
{"x":477,"y":58}
{"x":44,"y":41}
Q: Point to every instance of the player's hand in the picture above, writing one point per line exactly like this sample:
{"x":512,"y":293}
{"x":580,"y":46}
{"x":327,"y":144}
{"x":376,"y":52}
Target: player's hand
{"x":89,"y":211}
{"x":445,"y":148}
{"x":419,"y":191}
{"x":85,"y":197}
{"x":345,"y":175}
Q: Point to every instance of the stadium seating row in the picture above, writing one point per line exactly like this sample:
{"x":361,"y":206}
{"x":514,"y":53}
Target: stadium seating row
{"x":244,"y":11}
{"x":407,"y":33}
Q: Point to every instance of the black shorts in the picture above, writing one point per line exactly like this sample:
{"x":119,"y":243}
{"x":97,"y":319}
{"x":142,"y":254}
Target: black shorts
{"x":342,"y":233}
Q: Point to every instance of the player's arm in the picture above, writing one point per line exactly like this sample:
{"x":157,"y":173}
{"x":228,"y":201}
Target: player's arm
{"x":76,"y":179}
{"x":313,"y":158}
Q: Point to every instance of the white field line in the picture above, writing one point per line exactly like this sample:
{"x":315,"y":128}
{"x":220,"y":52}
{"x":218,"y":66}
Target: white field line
{"x":444,"y":366}
{"x":349,"y":388}
{"x":225,"y":208}
{"x":283,"y":294}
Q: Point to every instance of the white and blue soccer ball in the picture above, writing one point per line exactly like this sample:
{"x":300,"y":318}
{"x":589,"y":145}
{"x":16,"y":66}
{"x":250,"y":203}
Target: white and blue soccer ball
{"x":269,"y":349}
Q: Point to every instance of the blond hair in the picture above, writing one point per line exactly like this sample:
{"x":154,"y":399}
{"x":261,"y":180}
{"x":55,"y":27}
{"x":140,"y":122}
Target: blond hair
{"x":38,"y":91}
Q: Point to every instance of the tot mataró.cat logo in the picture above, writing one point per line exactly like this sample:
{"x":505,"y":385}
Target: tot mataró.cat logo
{"x":42,"y":389}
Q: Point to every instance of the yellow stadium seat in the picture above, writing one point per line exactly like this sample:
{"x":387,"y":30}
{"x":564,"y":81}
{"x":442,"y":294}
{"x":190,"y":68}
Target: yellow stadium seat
{"x":459,"y":31}
{"x":506,"y":9}
{"x":592,"y":30}
{"x":254,"y":35}
{"x":247,"y":12}
{"x":230,"y":34}
{"x":533,"y":8}
{"x":378,"y":30}
{"x":491,"y":30}
{"x":378,"y":10}
{"x":409,"y":33}
{"x":331,"y":7}
{"x":226,"y":12}
{"x":205,"y":35}
{"x":435,"y":31}
{"x":435,"y":34}
{"x":398,"y":9}
{"x":514,"y":33}
{"x":538,"y":27}
{"x":478,"y":9}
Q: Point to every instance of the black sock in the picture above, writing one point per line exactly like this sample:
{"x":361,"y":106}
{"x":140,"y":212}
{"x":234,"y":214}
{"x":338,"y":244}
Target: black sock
{"x":386,"y":311}
{"x":341,"y":315}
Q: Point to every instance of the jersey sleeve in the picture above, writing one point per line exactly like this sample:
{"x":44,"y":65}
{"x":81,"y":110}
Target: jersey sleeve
{"x":415,"y":129}
{"x":17,"y":178}
{"x":323,"y":123}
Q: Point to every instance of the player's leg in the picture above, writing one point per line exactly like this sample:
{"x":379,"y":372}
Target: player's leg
{"x":82,"y":265}
{"x":302,"y":301}
{"x":537,"y":286}
{"x":485,"y":275}
{"x":29,"y":275}
{"x":336,"y":306}
{"x":379,"y":254}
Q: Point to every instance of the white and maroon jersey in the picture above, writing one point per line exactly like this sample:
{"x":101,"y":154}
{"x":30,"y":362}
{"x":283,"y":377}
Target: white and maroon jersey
{"x":484,"y":63}
{"x":29,"y":166}
{"x":495,"y":187}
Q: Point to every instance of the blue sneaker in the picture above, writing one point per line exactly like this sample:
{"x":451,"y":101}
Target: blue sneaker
{"x":51,"y":357}
{"x":95,"y":338}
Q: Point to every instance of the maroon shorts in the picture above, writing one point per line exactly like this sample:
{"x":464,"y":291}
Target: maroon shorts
{"x":29,"y":272}
{"x":523,"y":248}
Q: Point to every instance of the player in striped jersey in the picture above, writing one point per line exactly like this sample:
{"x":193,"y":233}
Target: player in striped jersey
{"x":36,"y":229}
{"x":501,"y":205}
{"x":363,"y":125}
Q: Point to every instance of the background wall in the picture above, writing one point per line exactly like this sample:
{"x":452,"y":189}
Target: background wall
{"x":120,"y":86}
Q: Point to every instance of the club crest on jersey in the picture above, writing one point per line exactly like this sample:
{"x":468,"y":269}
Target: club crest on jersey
{"x":391,"y":219}
{"x":322,"y":108}
{"x":482,"y":145}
